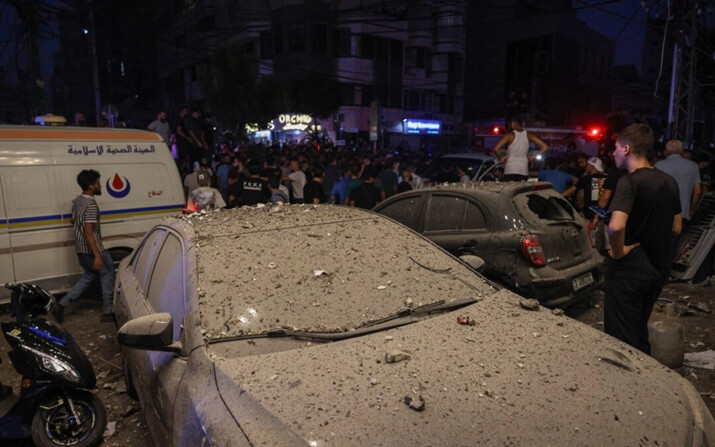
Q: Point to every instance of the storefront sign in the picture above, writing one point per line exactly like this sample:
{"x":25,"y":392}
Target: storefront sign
{"x":421,"y":126}
{"x":254,"y":127}
{"x":291,"y":121}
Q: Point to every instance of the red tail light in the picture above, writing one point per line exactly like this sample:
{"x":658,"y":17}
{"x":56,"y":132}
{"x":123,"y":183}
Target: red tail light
{"x":531,"y":246}
{"x":590,"y":229}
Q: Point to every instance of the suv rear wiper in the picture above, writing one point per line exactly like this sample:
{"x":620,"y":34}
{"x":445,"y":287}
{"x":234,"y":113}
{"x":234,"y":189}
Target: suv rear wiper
{"x":567,"y":221}
{"x":400,"y":318}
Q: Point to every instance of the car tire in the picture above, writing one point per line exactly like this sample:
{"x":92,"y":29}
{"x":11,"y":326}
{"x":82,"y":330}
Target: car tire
{"x":117,"y":255}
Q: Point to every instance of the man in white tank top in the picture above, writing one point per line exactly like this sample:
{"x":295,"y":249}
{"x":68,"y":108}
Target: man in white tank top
{"x":517,"y":157}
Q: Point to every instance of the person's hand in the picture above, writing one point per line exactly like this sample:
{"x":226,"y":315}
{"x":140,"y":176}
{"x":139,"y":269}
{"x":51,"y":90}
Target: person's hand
{"x":97,"y":264}
{"x":626,"y":249}
{"x":503,"y":160}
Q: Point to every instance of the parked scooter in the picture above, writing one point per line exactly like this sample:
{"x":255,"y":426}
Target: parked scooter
{"x":54,"y":406}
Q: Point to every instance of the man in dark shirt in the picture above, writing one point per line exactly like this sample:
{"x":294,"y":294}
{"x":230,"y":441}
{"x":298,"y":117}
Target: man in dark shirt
{"x":254,"y":189}
{"x":366,"y":195}
{"x":645,"y":212}
{"x":313,"y":190}
{"x":388,"y":178}
{"x":590,"y":184}
{"x":331,"y":175}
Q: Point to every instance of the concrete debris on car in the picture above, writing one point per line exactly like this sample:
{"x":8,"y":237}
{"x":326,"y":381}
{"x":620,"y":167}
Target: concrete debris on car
{"x":396,"y":356}
{"x":415,"y":403}
{"x":529,"y":303}
{"x":466,"y":321}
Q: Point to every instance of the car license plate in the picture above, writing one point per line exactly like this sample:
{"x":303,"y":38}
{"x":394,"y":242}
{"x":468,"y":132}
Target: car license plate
{"x":582,"y":281}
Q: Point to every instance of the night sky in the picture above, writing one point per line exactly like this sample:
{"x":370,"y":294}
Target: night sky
{"x":623,"y":21}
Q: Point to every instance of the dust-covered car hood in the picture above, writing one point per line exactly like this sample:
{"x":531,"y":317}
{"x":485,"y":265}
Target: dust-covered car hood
{"x":516,"y":377}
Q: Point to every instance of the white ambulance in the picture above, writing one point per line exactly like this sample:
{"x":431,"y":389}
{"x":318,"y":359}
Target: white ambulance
{"x":38,"y":182}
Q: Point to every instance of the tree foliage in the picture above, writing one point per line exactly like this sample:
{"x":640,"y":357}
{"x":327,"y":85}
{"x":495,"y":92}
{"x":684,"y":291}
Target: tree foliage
{"x":316,"y":94}
{"x":32,"y":21}
{"x":230,"y":85}
{"x":236,"y":95}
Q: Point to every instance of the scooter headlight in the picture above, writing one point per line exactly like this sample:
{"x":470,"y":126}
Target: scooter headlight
{"x":54,"y":366}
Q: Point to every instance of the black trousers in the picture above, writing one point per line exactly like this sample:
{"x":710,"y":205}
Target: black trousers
{"x":627,"y":308}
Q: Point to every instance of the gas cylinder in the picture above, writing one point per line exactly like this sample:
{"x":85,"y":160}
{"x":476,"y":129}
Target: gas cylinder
{"x":665,"y":333}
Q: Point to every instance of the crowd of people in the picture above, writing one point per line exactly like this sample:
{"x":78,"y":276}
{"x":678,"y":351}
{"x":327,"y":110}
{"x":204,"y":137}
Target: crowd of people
{"x":253,"y":174}
{"x":356,"y":175}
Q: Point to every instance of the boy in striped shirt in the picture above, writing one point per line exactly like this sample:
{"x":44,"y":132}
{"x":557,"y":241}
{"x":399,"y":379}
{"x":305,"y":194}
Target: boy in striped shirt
{"x":92,"y":256}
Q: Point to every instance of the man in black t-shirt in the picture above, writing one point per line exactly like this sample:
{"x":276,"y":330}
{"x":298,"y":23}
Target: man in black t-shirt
{"x":590,"y":184}
{"x":645,"y":213}
{"x":313,"y":190}
{"x":254,"y":189}
{"x":604,"y":201}
{"x":366,"y":195}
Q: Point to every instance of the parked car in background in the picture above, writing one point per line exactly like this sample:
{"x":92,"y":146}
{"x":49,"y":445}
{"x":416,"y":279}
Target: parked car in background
{"x":476,"y":166}
{"x":334,"y":326}
{"x":531,"y":239}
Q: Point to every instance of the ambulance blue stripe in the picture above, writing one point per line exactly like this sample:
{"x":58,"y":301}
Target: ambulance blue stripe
{"x":38,"y":218}
{"x":139,"y":210}
{"x":107,"y":213}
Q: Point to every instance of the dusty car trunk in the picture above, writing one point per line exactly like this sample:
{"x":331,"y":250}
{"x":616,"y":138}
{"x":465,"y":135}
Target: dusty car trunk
{"x":563,"y":233}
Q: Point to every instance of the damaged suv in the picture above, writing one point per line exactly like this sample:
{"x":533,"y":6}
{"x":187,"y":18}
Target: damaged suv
{"x":531,"y":239}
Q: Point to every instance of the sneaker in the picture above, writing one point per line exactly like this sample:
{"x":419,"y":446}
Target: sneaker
{"x":107,"y":317}
{"x":58,"y":312}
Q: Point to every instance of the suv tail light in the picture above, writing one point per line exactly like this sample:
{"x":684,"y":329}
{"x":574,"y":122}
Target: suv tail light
{"x":531,"y":246}
{"x":590,"y":229}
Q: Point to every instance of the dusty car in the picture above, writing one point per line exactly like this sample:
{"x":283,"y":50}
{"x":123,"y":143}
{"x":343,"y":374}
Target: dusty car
{"x":531,"y":239}
{"x":332,"y":326}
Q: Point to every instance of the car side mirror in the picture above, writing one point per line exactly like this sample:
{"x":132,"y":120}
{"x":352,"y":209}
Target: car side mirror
{"x":474,"y":262}
{"x":150,"y":333}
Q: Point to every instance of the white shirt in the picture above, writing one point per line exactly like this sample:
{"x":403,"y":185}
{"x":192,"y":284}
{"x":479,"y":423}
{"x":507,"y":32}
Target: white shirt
{"x":517,"y":161}
{"x":298,"y":183}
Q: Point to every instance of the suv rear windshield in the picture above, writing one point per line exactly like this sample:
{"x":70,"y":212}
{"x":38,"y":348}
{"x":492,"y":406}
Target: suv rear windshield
{"x":444,"y":170}
{"x":545,"y":204}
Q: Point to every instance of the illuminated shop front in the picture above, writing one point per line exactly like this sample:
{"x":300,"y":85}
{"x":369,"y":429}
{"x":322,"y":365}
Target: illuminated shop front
{"x":415,"y":134}
{"x":421,"y":127}
{"x":286,"y":128}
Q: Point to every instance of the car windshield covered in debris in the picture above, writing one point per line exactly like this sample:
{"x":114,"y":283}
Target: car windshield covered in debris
{"x":328,"y":275}
{"x":333,"y":326}
{"x":531,"y":239}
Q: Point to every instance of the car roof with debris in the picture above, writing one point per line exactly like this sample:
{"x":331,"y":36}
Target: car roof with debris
{"x":495,"y":187}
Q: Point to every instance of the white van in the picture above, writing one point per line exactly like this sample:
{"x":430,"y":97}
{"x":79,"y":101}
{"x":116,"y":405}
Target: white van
{"x":38,"y":182}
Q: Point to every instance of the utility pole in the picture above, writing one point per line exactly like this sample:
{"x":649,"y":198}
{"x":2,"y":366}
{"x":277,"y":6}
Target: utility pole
{"x":684,"y":84}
